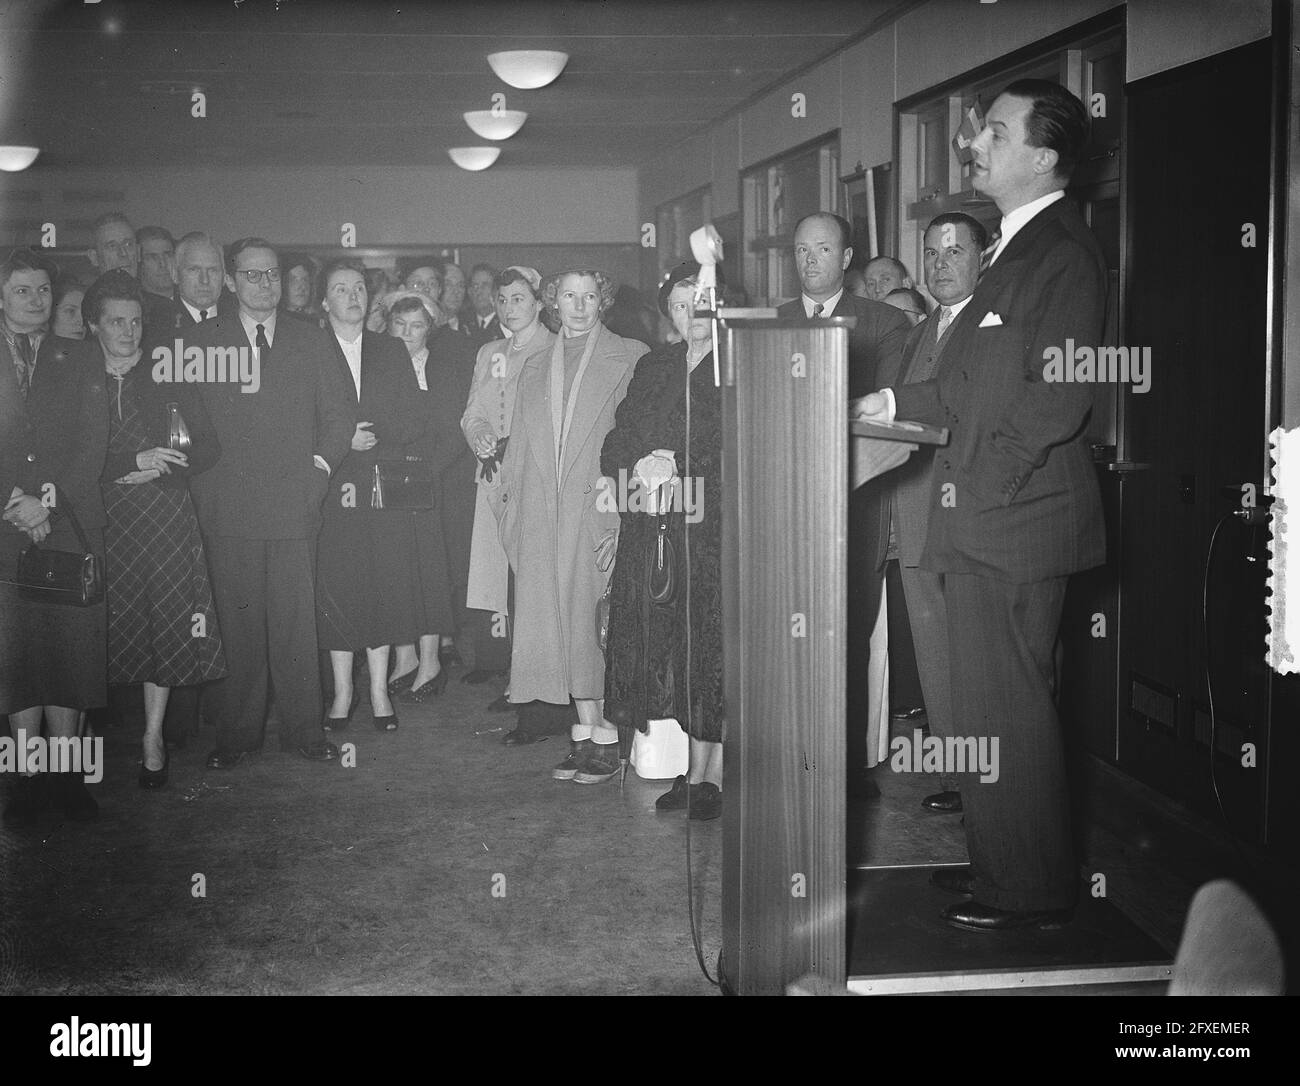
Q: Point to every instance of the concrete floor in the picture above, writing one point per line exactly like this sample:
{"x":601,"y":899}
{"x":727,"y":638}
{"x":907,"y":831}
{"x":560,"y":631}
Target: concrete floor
{"x":442,"y":863}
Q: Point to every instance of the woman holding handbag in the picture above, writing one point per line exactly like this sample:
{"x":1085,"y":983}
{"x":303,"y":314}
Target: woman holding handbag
{"x":53,"y":436}
{"x":162,"y":624}
{"x":417,"y":669}
{"x":366,"y":579}
{"x":648,"y":671}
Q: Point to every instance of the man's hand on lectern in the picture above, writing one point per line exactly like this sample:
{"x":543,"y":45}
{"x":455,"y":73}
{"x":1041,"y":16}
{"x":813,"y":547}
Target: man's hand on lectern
{"x":874,"y":407}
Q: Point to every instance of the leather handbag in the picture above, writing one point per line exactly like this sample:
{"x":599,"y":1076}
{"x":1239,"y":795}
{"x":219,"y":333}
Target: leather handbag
{"x":178,"y":434}
{"x":404,"y":484}
{"x":661,"y":571}
{"x":62,"y":577}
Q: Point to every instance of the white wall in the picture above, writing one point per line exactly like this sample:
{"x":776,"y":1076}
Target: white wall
{"x":388,"y":205}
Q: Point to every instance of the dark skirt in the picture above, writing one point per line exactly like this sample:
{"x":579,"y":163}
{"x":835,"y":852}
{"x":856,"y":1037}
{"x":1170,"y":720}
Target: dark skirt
{"x":367,"y":581}
{"x":50,"y":654}
{"x":433,"y":592}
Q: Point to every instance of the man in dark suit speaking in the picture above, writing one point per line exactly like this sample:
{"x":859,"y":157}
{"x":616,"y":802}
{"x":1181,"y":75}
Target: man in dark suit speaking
{"x":284,"y":425}
{"x":1015,"y":507}
{"x":822,"y":251}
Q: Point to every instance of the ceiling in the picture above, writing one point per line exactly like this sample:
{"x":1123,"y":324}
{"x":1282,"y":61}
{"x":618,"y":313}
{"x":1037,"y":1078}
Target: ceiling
{"x":108,"y":85}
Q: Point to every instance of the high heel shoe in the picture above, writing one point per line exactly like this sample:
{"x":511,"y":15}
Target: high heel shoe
{"x":432,"y":688}
{"x":339,"y":723}
{"x":154,"y":778}
{"x":401,"y":682}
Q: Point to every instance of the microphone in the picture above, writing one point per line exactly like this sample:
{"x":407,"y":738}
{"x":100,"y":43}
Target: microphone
{"x":706,"y":248}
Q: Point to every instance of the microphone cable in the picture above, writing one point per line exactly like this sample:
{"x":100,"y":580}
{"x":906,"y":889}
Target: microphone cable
{"x":688,"y":466}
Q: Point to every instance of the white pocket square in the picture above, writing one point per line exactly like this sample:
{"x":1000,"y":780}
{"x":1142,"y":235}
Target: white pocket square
{"x":991,"y":320}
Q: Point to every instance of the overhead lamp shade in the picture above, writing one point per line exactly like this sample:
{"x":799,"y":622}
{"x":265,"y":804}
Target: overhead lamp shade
{"x":496,"y":126}
{"x":528,"y":69}
{"x":13,"y":159}
{"x":474,"y":158}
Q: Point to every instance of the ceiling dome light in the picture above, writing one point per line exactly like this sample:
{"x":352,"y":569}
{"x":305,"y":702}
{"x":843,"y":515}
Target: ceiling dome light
{"x":13,"y":159}
{"x":496,"y":126}
{"x":474,"y":158}
{"x":528,"y":69}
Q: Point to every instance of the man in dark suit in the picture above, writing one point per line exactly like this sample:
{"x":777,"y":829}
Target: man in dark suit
{"x":197,"y":277}
{"x":115,"y":246}
{"x":822,"y":252}
{"x":483,"y":297}
{"x":157,"y":261}
{"x":953,"y":244}
{"x":1015,"y":507}
{"x":259,"y":508}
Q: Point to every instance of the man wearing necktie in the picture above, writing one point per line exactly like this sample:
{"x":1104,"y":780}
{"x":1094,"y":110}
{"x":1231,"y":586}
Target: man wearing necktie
{"x":1015,"y":506}
{"x":259,"y":508}
{"x":822,"y":252}
{"x":953,"y":244}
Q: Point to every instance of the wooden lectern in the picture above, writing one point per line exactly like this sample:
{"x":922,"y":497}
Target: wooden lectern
{"x":785,"y":486}
{"x":785,"y":491}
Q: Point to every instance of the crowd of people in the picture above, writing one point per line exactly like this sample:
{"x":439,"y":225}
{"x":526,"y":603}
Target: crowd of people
{"x":403,"y":472}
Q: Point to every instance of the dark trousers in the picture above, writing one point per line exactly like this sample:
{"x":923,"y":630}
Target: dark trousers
{"x":491,"y":634}
{"x":1001,"y":640}
{"x":928,"y":634}
{"x":266,"y":603}
{"x":905,"y":691}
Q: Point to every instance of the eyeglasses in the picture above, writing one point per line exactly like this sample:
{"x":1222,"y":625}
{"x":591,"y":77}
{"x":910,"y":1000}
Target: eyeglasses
{"x":253,"y":275}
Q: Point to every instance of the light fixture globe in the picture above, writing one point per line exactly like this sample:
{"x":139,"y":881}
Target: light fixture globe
{"x":14,"y":158}
{"x":499,"y":125}
{"x":474,"y":158}
{"x":528,"y":69}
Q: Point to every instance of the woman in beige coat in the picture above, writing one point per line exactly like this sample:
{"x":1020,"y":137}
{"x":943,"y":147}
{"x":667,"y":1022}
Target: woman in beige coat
{"x":486,"y":425}
{"x":557,"y":525}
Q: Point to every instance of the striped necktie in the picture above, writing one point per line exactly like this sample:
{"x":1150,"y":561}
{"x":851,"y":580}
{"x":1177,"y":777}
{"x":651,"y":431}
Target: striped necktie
{"x":818,"y":309}
{"x":986,"y":257}
{"x":945,"y":319}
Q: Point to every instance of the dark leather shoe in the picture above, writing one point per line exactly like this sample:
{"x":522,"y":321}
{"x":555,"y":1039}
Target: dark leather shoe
{"x":908,"y":714}
{"x":154,"y":778}
{"x":319,"y":751}
{"x":225,"y":759}
{"x":943,"y":802}
{"x":502,"y":705}
{"x":955,"y":880}
{"x":521,"y":738}
{"x":976,"y":916}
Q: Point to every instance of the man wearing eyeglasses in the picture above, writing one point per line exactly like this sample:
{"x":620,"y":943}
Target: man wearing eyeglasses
{"x":259,"y":507}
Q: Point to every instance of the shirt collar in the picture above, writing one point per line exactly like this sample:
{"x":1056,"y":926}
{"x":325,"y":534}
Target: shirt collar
{"x":1014,"y":221}
{"x":957,"y":307}
{"x":828,"y":306}
{"x":250,"y":327}
{"x":196,"y":312}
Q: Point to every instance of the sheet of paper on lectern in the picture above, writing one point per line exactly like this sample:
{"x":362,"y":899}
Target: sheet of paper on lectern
{"x":1284,"y":552}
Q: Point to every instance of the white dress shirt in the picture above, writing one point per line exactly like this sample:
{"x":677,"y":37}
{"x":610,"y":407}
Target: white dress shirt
{"x":828,"y":306}
{"x":352,"y":352}
{"x":250,"y":328}
{"x":1014,"y":221}
{"x":197,"y":314}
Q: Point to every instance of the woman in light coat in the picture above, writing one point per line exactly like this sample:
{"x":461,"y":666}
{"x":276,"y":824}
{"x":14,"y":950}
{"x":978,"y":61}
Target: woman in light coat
{"x":486,"y":425}
{"x":558,"y":524}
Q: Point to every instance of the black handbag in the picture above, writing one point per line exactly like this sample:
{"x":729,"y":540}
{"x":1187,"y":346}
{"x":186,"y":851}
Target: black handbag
{"x":661,"y":570}
{"x":404,"y":484}
{"x":62,"y":576}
